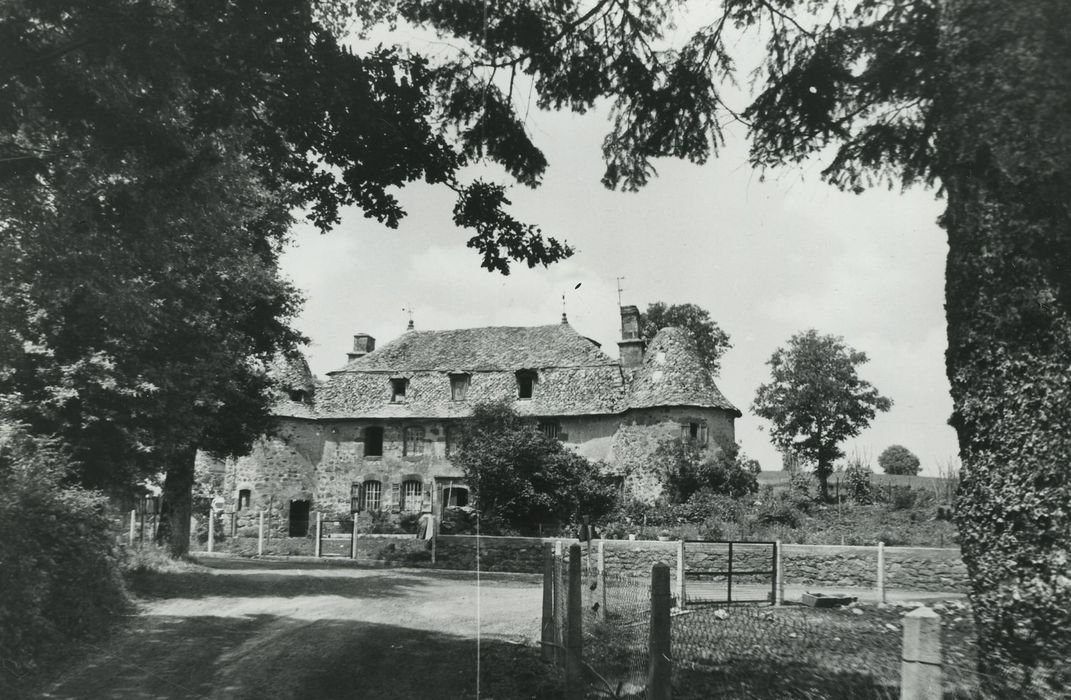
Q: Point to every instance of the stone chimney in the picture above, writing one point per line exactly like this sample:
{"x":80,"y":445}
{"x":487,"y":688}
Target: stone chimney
{"x":631,"y":345}
{"x":362,"y":345}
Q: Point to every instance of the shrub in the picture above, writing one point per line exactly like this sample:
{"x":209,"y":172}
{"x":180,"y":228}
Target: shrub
{"x":801,"y":483}
{"x":687,"y":469}
{"x":787,"y":508}
{"x":60,"y":576}
{"x":856,"y":480}
{"x":897,"y":459}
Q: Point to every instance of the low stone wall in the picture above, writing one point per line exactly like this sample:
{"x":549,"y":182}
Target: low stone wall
{"x":915,"y":568}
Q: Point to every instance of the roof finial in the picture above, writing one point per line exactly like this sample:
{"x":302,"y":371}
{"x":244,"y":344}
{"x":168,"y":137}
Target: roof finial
{"x":565,"y":319}
{"x":619,"y":290}
{"x":409,"y":309}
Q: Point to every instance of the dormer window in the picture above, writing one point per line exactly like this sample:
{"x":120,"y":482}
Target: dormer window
{"x":695,"y":432}
{"x":398,"y":387}
{"x":459,"y":387}
{"x":526,"y":380}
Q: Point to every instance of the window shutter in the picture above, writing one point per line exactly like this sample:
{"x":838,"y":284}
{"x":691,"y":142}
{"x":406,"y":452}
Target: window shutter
{"x":395,"y":497}
{"x":360,"y":498}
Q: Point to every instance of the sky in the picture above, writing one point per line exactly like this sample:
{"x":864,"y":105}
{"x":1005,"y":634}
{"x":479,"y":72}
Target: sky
{"x":767,"y":257}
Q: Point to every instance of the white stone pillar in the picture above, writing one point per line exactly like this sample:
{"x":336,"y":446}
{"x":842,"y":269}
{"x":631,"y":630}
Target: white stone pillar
{"x":211,"y":529}
{"x":133,"y":524}
{"x":779,"y":572}
{"x":353,"y":540}
{"x":921,"y":668}
{"x":319,"y":533}
{"x":881,"y":572}
{"x":260,"y":536}
{"x":680,"y":575}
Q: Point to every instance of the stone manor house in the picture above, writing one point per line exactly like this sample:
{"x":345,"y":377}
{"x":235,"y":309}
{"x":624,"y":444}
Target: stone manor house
{"x":378,"y":434}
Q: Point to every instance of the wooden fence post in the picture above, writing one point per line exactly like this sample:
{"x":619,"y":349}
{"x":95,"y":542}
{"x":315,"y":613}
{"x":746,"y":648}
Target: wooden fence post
{"x":920,"y":672}
{"x":659,"y":671}
{"x":133,"y":524}
{"x":574,"y":638}
{"x":602,"y":577}
{"x":547,"y":634}
{"x":319,"y":534}
{"x":680,"y":576}
{"x":211,"y":529}
{"x":779,"y":574}
{"x":881,"y":572}
{"x":434,"y":536}
{"x":559,"y":608}
{"x":260,"y":536}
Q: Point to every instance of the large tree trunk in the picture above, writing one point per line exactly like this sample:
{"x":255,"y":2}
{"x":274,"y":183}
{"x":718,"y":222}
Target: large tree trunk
{"x":178,"y":497}
{"x":1006,"y":137}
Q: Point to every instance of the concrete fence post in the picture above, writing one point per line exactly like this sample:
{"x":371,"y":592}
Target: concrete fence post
{"x":574,"y":637}
{"x":434,"y":537}
{"x":680,"y":575}
{"x":353,"y":539}
{"x":881,"y":572}
{"x":779,"y":574}
{"x":211,"y":529}
{"x":602,"y":578}
{"x":319,"y":534}
{"x":920,"y":672}
{"x":133,"y":524}
{"x":547,"y":633}
{"x":659,"y":670}
{"x":260,"y":535}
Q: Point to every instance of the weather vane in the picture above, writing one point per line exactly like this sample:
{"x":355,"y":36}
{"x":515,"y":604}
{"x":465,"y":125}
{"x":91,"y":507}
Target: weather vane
{"x":619,"y":290}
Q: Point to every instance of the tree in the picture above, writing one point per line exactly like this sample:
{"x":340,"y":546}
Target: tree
{"x":521,"y":478}
{"x":972,"y":96}
{"x":816,"y":400}
{"x":686,"y":468}
{"x":150,"y":156}
{"x":897,"y":459}
{"x":710,"y":340}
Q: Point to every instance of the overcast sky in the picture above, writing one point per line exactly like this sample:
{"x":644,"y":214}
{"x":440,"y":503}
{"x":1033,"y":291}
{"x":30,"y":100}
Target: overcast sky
{"x":766,"y":258}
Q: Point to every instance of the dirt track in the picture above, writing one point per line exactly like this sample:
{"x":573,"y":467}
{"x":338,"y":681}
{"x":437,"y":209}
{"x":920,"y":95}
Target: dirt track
{"x":244,"y":629}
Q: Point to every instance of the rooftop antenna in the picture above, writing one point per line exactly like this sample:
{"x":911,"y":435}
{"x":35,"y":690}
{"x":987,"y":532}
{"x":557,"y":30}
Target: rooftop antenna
{"x":619,"y":290}
{"x":409,"y":310}
{"x":564,"y":318}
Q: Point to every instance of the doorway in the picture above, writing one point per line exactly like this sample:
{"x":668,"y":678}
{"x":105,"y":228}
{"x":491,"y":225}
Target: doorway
{"x":299,"y":518}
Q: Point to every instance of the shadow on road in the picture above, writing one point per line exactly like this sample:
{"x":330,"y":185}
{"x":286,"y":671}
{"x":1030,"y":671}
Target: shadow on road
{"x":251,"y":583}
{"x":265,"y":656}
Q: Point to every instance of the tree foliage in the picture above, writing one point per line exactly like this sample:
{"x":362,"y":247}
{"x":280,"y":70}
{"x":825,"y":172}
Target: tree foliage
{"x":710,"y":340}
{"x":897,"y":459}
{"x":816,"y":400}
{"x":60,"y":578}
{"x":521,"y":478}
{"x":686,"y":468}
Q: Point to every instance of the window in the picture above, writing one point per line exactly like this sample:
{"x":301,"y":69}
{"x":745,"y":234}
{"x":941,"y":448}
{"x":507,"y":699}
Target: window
{"x":243,"y":499}
{"x":526,"y":380}
{"x":551,"y":430}
{"x":695,"y":432}
{"x":413,"y":443}
{"x":373,"y":441}
{"x":412,"y":496}
{"x":372,"y":496}
{"x":450,"y":440}
{"x":296,"y":395}
{"x":398,"y":387}
{"x":459,"y":386}
{"x":455,"y":496}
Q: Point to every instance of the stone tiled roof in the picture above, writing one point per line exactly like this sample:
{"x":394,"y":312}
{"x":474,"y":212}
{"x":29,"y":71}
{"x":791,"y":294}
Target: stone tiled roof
{"x":292,"y":374}
{"x":672,"y":375}
{"x":483,"y":349}
{"x":573,"y":376}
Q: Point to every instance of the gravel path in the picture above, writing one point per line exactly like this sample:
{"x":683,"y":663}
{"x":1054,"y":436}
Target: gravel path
{"x":248,"y":629}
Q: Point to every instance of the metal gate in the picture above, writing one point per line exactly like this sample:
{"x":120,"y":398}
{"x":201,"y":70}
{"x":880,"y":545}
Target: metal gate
{"x":725,"y":571}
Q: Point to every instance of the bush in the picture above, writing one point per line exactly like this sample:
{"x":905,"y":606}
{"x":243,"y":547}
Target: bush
{"x":856,"y":480}
{"x":897,"y":459}
{"x":687,"y":469}
{"x":788,"y":508}
{"x":60,"y":576}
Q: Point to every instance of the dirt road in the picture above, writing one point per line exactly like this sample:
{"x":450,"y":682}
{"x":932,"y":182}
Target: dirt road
{"x":247,"y":629}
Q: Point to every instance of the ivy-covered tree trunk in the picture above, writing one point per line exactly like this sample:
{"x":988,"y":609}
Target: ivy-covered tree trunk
{"x":1006,"y":136}
{"x":178,"y":495}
